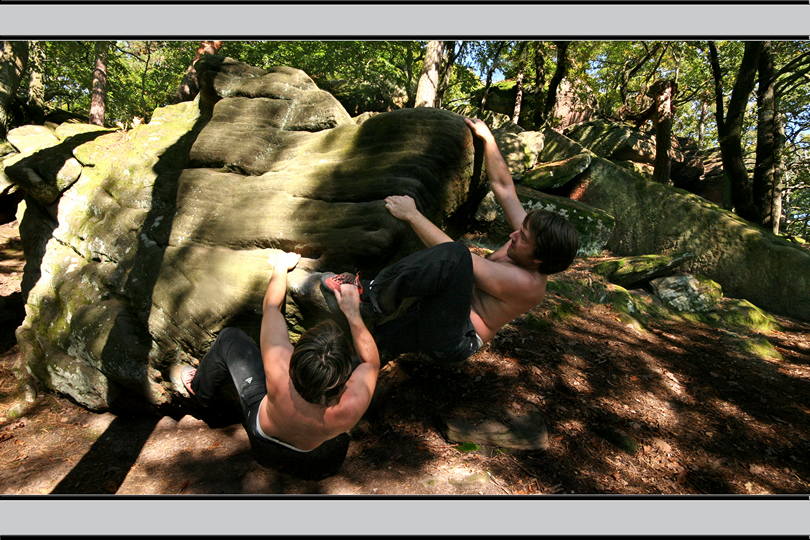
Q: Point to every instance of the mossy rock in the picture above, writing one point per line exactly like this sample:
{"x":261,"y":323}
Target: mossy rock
{"x":761,"y":348}
{"x":739,"y":314}
{"x":557,"y":173}
{"x":520,"y":149}
{"x":748,"y":261}
{"x":634,"y":271}
{"x":70,"y":129}
{"x":30,"y":138}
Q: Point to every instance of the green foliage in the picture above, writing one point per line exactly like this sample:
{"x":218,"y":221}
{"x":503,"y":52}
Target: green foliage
{"x":612,"y":76}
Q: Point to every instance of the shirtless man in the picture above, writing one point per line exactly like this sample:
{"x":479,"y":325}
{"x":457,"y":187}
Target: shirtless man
{"x":464,"y":299}
{"x":297,"y":402}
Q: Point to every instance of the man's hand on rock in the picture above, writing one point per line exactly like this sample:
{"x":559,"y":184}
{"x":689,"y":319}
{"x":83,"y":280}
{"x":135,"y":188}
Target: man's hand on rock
{"x":349,"y":301}
{"x":479,"y":129}
{"x":283,"y":261}
{"x":401,"y":207}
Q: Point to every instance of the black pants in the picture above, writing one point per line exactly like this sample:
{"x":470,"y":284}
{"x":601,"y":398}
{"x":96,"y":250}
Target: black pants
{"x":235,"y":359}
{"x":438,"y":323}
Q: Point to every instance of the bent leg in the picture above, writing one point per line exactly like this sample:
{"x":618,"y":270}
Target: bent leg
{"x":439,"y":324}
{"x":233,"y":354}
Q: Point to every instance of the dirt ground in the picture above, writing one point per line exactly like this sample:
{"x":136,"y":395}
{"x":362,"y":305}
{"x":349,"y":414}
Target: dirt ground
{"x":674,"y":408}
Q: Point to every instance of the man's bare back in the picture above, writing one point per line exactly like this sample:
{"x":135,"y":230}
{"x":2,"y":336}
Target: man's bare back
{"x":283,"y":413}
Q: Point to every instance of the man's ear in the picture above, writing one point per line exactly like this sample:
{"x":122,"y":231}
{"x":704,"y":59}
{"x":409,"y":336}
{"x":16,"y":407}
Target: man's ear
{"x":537,"y":263}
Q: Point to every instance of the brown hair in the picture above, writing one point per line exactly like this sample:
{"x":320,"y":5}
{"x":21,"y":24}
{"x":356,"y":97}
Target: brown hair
{"x":321,"y":363}
{"x":556,"y":240}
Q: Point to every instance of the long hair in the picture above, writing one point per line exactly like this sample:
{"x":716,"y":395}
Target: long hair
{"x":321,"y":363}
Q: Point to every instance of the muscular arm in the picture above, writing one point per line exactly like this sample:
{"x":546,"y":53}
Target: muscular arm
{"x":500,"y":179}
{"x":273,"y":334}
{"x":360,"y":387}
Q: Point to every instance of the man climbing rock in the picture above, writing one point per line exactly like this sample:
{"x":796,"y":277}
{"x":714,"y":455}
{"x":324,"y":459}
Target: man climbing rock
{"x":464,"y":299}
{"x":297,"y":402}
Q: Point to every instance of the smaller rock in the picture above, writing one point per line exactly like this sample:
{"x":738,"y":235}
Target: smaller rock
{"x":631,"y":272}
{"x":521,"y":151}
{"x":525,"y":430}
{"x":31,"y":138}
{"x":556,"y":173}
{"x":687,"y":293}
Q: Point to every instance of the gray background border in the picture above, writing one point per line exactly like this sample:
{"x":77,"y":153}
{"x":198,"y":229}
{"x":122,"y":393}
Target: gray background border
{"x":608,"y":516}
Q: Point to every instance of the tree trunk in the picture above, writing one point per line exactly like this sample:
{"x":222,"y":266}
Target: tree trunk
{"x":730,"y":132}
{"x":189,"y":86}
{"x":559,"y":74}
{"x":519,"y":82}
{"x":483,"y":103}
{"x":450,"y":55}
{"x":429,"y":81}
{"x":778,"y":177}
{"x":765,"y":171}
{"x":36,"y":85}
{"x":13,"y":58}
{"x":539,"y":83}
{"x":99,"y":91}
{"x":663,"y":93}
{"x":701,"y":127}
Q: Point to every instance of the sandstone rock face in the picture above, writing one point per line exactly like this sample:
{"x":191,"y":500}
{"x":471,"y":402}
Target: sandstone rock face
{"x":747,"y":261}
{"x":163,"y":239}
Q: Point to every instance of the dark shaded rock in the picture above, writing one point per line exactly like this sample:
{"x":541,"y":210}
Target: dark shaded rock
{"x":524,"y":430}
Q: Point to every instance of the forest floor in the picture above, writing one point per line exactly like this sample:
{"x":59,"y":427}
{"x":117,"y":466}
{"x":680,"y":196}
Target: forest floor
{"x":671,"y":407}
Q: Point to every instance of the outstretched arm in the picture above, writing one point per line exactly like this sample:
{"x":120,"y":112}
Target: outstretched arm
{"x":404,"y":208}
{"x":500,"y":179}
{"x":274,"y":328}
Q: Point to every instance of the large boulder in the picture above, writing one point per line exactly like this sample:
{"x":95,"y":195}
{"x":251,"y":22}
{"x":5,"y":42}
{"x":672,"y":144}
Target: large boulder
{"x":163,"y":239}
{"x":749,"y":262}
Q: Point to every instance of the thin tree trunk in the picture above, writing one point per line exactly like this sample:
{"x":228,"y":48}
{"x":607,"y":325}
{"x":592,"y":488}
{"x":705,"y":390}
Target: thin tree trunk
{"x":13,"y":58}
{"x":717,"y":75}
{"x":778,"y":177}
{"x":539,"y":83}
{"x":663,"y":93}
{"x":519,"y":82}
{"x":765,"y":169}
{"x":99,"y":91}
{"x":143,"y":76}
{"x":189,"y":86}
{"x":36,"y":85}
{"x":450,"y":55}
{"x":559,"y":74}
{"x":429,"y":80}
{"x":730,"y":134}
{"x":701,"y":134}
{"x":483,"y":103}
